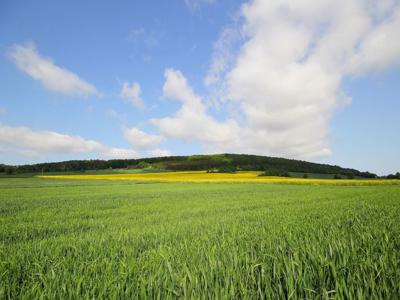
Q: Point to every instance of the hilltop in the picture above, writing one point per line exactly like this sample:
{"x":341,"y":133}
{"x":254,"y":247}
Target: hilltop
{"x":216,"y":163}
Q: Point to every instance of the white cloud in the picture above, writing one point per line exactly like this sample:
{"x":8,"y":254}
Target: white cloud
{"x":159,"y":153}
{"x":120,"y":153}
{"x":28,"y":142}
{"x":380,"y":48}
{"x":46,"y":141}
{"x":140,"y":139}
{"x":191,"y":122}
{"x":43,"y":69}
{"x":223,"y":56}
{"x":286,"y":76}
{"x":132,"y":94}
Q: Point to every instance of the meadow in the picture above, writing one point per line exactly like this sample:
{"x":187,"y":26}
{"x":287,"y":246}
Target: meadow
{"x":75,"y":237}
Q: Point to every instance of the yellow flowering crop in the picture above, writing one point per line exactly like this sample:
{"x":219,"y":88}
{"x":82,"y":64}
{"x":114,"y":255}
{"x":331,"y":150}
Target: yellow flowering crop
{"x":240,"y":177}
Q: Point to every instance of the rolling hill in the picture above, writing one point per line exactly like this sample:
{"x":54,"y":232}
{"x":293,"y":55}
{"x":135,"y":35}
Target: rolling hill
{"x":216,"y":162}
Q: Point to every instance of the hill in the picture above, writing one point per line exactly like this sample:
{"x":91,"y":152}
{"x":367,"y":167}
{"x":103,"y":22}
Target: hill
{"x":216,"y":162}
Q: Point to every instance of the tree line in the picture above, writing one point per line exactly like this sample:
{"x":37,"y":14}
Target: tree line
{"x":227,"y":162}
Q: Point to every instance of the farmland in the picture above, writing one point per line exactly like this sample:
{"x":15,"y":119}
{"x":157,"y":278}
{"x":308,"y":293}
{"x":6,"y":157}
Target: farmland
{"x":203,"y":176}
{"x":78,"y":238}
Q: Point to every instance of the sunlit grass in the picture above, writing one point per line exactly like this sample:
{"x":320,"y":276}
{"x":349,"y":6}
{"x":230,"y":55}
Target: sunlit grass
{"x":109,"y":239}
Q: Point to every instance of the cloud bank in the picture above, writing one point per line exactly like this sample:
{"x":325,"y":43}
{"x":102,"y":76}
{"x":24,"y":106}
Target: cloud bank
{"x":43,"y":69}
{"x":35,"y":143}
{"x":285,"y":79}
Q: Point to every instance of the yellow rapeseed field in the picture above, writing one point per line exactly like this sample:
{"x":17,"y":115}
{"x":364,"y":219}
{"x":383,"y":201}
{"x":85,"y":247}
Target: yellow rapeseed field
{"x":240,"y":177}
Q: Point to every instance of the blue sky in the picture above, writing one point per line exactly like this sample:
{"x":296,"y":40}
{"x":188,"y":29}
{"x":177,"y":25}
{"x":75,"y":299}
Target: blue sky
{"x":146,"y":78}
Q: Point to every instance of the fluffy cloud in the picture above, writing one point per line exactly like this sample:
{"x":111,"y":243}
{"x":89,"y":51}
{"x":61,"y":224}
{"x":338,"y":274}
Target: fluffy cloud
{"x":159,"y":153}
{"x":140,"y":139}
{"x":132,"y":94}
{"x":285,"y":78}
{"x":381,"y":46}
{"x":28,"y":142}
{"x":119,"y":153}
{"x":192,"y":122}
{"x":53,"y":77}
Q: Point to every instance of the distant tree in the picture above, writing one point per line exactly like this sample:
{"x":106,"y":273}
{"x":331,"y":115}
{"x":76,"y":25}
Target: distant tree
{"x":227,"y":169}
{"x":275,"y":172}
{"x":305,"y":175}
{"x":393,"y":176}
{"x":368,"y":175}
{"x":142,"y":165}
{"x":350,"y":176}
{"x":337,"y":176}
{"x":9,"y":170}
{"x":200,"y":162}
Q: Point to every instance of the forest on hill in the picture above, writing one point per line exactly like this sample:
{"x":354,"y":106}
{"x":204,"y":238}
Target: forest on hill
{"x":215,"y":163}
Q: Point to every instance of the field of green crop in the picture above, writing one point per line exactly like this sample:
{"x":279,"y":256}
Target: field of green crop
{"x":70,"y":239}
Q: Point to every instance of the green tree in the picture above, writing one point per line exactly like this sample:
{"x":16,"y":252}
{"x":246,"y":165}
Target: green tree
{"x":9,"y":170}
{"x":142,"y":165}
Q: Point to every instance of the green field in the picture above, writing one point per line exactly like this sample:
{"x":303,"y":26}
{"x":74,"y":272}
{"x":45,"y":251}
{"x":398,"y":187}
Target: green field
{"x":70,"y":239}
